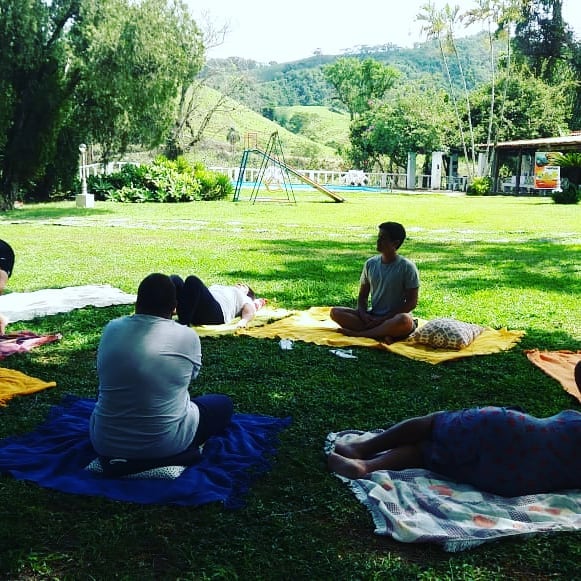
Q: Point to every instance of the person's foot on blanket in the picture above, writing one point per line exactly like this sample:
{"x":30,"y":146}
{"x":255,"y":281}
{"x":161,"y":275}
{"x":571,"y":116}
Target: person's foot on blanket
{"x":349,"y":467}
{"x":352,"y":333}
{"x":347,"y":449}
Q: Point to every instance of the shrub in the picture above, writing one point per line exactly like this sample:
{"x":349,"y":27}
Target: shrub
{"x":163,"y":180}
{"x":480,"y":186}
{"x":568,"y":194}
{"x":214,"y":186}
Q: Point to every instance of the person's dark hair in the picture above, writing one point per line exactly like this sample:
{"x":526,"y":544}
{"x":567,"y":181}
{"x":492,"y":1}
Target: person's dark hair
{"x":251,"y":293}
{"x":156,"y":296}
{"x":395,"y":231}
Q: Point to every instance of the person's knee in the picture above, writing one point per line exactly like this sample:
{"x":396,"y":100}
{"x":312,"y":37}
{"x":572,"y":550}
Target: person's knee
{"x":405,"y":322}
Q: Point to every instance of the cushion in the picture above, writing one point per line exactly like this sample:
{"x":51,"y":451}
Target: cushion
{"x":446,"y":333}
{"x":163,"y":472}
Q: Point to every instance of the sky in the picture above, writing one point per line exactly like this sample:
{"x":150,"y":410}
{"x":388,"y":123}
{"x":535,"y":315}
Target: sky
{"x":288,"y":30}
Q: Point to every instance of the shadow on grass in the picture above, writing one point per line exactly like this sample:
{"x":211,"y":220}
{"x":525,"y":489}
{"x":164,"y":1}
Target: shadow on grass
{"x":463,"y":266}
{"x":51,"y":213}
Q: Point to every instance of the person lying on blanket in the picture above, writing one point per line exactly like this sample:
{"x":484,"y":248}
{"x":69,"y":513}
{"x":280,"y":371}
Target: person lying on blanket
{"x":6,"y":268}
{"x":216,"y":304}
{"x":144,"y":417}
{"x":393,"y":283}
{"x":499,"y":450}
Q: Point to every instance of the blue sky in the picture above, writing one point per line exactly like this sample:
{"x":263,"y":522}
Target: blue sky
{"x":277,"y":31}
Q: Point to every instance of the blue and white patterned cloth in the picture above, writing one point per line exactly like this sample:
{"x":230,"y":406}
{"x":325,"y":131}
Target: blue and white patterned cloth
{"x":418,"y":506}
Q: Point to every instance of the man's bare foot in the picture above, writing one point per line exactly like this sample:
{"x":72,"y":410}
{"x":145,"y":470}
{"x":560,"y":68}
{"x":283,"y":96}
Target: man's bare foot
{"x":346,"y":449}
{"x":348,"y":467}
{"x":351,"y":332}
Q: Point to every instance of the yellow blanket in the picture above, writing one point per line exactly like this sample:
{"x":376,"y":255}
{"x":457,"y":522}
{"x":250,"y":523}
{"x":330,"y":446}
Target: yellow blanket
{"x":13,"y":383}
{"x":315,"y":326}
{"x":560,"y":365}
{"x":264,"y":316}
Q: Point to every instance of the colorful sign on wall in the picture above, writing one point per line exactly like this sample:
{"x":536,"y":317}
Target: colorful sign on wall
{"x":547,"y":175}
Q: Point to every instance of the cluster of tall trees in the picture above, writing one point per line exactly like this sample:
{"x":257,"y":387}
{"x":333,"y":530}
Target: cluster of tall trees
{"x":106,"y":72}
{"x":533,"y":91}
{"x":115,"y":73}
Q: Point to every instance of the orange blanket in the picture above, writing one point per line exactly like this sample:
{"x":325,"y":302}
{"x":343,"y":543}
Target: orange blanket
{"x":560,"y":365}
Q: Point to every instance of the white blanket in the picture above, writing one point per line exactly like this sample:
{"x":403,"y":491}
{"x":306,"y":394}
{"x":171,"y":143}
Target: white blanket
{"x":27,"y":306}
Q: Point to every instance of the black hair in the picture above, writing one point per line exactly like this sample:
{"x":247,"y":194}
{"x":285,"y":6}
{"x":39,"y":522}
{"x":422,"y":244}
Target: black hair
{"x":251,"y":293}
{"x":156,"y":295}
{"x":395,"y":231}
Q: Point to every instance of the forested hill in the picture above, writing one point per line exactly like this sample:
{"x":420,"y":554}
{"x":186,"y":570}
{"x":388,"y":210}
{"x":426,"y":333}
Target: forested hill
{"x":302,"y":83}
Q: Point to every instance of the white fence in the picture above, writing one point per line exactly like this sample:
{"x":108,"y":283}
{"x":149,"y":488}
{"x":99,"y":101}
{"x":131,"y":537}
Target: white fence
{"x":384,"y":181}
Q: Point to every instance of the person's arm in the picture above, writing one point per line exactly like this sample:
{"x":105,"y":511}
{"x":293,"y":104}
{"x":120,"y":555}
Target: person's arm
{"x":3,"y":324}
{"x":247,"y":314}
{"x":3,"y":280}
{"x":411,"y":300}
{"x":362,"y":302}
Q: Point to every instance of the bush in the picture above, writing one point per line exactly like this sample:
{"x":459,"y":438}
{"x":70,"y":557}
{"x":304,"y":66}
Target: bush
{"x":480,"y":186}
{"x":163,"y":180}
{"x":568,"y":194}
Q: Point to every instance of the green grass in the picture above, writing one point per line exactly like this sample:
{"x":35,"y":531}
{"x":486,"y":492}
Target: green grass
{"x":506,"y":262}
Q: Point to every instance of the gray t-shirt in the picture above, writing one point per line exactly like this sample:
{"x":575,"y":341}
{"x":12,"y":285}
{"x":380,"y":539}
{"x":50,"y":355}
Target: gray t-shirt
{"x":145,"y":366}
{"x":388,"y":281}
{"x":231,"y":300}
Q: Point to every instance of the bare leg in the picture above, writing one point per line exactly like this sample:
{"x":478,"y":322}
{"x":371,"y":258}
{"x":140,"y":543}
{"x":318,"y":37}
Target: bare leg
{"x":401,"y":325}
{"x":406,"y":433}
{"x":409,"y":456}
{"x":347,"y":318}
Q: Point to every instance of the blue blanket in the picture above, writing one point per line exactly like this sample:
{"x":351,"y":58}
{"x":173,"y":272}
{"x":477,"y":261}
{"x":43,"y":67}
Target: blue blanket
{"x":55,"y":454}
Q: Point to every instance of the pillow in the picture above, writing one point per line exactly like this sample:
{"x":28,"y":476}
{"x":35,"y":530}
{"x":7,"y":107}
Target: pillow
{"x":163,"y":472}
{"x":446,"y":333}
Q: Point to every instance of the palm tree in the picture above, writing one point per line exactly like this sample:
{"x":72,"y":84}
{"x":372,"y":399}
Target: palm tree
{"x":435,"y":29}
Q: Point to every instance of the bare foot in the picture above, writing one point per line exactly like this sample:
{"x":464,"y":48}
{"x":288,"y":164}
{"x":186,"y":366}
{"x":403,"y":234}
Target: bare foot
{"x":346,"y":449}
{"x":348,"y":467}
{"x":350,"y":332}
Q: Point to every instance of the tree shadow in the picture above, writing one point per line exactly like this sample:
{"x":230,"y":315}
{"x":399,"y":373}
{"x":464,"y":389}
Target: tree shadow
{"x":52,"y":213}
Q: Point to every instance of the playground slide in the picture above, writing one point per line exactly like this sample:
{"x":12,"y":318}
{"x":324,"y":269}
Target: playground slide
{"x":301,"y":177}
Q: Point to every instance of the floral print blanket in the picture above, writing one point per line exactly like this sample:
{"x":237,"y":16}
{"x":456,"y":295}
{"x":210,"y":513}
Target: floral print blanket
{"x":418,"y":506}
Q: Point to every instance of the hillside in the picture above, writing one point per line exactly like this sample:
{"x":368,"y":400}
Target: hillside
{"x":298,"y":149}
{"x":317,"y":123}
{"x":302,"y":82}
{"x":295,"y":99}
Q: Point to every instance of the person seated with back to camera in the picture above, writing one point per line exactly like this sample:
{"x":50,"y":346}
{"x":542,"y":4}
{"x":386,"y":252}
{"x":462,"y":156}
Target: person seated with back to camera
{"x":499,"y":450}
{"x":216,"y":304}
{"x":393,"y":283}
{"x":144,"y":417}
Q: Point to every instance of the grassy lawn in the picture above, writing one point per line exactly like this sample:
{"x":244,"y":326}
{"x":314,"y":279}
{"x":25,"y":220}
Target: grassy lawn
{"x":504,"y":262}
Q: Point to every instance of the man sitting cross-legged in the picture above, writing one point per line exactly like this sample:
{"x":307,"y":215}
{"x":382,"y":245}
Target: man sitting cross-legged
{"x":393,"y":282}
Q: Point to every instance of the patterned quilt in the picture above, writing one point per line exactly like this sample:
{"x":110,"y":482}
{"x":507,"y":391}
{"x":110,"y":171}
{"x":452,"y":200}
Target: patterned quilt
{"x":418,"y":506}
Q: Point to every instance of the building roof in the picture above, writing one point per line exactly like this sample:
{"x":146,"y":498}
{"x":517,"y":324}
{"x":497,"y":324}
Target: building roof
{"x":570,"y":142}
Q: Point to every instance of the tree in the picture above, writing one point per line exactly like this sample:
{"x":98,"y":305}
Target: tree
{"x":360,"y":83}
{"x":532,"y":108}
{"x":441,"y":26}
{"x":543,"y":39}
{"x":233,"y":137}
{"x":416,"y":120}
{"x":96,"y":71}
{"x":545,"y":43}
